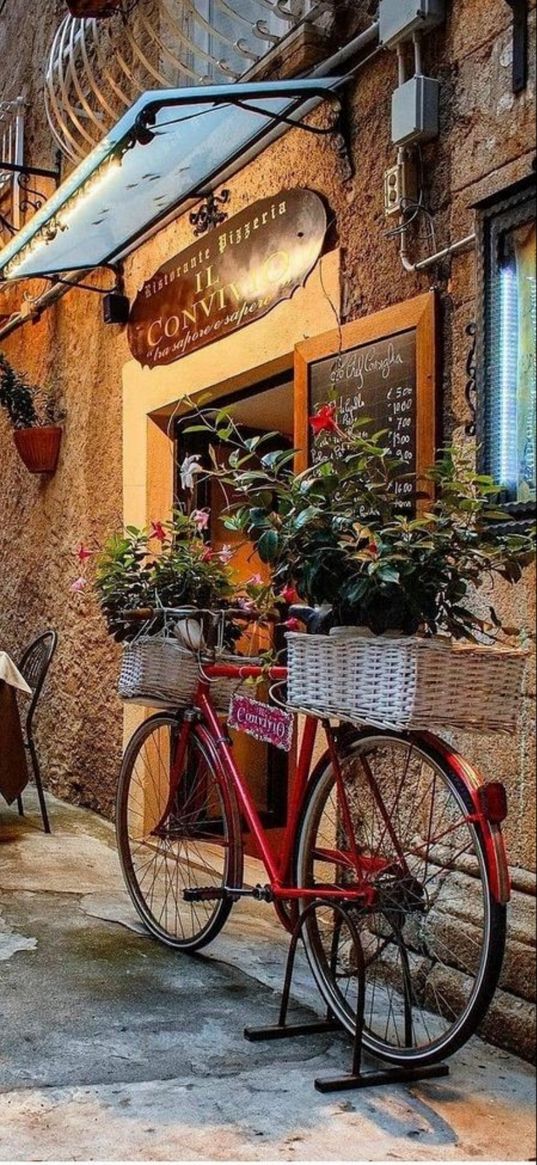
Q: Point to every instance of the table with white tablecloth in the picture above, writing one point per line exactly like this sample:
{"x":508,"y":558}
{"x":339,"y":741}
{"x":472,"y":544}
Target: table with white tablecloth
{"x":13,"y":768}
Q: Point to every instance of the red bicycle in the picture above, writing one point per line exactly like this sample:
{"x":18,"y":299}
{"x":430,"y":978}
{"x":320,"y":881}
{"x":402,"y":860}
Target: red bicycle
{"x":397,"y":827}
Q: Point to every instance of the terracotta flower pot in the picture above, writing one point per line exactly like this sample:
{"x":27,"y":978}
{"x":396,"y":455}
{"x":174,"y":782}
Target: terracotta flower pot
{"x":39,"y":447}
{"x":96,"y":8}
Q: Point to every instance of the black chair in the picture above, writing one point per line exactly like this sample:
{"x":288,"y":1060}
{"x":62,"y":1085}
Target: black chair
{"x":34,"y":666}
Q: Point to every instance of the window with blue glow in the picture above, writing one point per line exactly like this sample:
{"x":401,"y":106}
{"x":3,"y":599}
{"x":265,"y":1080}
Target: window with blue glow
{"x":508,"y":350}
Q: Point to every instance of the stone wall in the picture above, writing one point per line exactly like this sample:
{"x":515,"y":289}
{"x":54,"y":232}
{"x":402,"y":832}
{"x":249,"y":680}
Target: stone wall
{"x":486,"y":143}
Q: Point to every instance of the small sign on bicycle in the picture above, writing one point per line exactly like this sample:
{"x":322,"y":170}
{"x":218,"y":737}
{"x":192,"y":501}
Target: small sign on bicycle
{"x":262,"y":721}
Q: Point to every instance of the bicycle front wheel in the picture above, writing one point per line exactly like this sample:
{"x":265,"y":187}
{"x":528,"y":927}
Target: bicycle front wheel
{"x":432,"y":934}
{"x":177,"y":829}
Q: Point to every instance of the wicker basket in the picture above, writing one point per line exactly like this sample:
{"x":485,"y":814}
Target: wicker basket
{"x":405,"y":683}
{"x":159,"y":672}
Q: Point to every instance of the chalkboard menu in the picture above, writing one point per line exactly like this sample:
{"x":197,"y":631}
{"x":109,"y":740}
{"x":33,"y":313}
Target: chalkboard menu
{"x":381,"y":369}
{"x":377,"y":382}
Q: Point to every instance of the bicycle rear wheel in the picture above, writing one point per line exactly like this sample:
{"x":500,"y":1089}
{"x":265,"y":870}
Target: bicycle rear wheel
{"x":433,"y":936}
{"x":176,"y":830}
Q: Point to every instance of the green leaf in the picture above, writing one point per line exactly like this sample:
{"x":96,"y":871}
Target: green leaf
{"x":308,"y":515}
{"x":388,"y":574}
{"x":267,"y":547}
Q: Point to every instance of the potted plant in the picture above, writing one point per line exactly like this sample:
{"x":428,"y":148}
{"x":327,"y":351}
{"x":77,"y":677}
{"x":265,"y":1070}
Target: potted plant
{"x":334,"y":533}
{"x":393,"y":589}
{"x":170,"y":565}
{"x":84,"y":9}
{"x":34,"y":415}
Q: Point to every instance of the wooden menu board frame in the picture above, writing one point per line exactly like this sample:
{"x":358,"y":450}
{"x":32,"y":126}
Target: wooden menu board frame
{"x":419,"y":314}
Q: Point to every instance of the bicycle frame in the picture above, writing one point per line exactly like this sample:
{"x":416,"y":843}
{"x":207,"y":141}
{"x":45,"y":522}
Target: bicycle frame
{"x":278,"y":870}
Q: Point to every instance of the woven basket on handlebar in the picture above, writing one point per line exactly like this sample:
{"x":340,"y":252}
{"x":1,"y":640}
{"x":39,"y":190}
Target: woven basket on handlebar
{"x":157,"y":673}
{"x":406,"y":683}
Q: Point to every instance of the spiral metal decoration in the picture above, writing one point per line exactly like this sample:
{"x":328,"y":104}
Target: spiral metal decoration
{"x":97,"y":69}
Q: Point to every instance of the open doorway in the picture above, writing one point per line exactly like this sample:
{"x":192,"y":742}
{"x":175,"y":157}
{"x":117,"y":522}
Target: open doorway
{"x":266,"y":407}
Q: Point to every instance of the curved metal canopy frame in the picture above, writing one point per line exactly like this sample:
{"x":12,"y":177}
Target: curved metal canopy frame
{"x":98,"y":69}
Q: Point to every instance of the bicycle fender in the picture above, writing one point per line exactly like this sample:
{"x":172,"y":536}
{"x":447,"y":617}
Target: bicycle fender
{"x":492,"y":835}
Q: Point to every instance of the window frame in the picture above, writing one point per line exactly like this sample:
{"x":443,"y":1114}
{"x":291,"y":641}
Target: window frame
{"x":506,"y":211}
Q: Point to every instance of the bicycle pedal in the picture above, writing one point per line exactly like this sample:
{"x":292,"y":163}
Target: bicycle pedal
{"x":206,"y":894}
{"x":226,"y":893}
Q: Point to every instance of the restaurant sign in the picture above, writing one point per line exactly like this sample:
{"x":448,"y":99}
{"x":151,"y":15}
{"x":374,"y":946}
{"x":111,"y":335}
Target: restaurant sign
{"x":234,"y":276}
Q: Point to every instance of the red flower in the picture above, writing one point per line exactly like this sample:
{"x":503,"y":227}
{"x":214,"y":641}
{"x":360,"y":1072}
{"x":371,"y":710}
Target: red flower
{"x":83,"y":553}
{"x":373,"y":549}
{"x":208,"y":554}
{"x":292,"y":624}
{"x":289,"y":595}
{"x":325,"y":420}
{"x":158,"y":532}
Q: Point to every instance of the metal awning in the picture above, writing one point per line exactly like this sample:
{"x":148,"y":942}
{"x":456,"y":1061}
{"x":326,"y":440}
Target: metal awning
{"x":170,"y":148}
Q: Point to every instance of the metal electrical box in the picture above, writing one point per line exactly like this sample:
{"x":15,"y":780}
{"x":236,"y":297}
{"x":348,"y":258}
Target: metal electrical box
{"x":415,"y":107}
{"x":399,"y":19}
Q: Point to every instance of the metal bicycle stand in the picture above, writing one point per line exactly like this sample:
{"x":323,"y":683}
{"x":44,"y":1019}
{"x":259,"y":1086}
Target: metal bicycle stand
{"x":282,"y":1030}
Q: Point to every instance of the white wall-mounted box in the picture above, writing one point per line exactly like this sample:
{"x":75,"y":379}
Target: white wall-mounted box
{"x":415,"y":108}
{"x":400,"y":19}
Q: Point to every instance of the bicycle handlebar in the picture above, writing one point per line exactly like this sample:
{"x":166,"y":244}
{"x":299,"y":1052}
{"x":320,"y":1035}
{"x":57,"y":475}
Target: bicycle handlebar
{"x":307,"y":615}
{"x":144,"y":614}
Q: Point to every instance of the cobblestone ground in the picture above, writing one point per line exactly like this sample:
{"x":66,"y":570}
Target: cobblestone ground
{"x":115,"y":1048}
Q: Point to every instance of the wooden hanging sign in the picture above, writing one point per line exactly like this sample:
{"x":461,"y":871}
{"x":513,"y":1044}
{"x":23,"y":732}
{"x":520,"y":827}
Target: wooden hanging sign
{"x":234,"y":276}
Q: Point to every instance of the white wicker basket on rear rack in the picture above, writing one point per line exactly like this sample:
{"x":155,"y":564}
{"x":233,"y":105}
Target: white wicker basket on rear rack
{"x":406,"y":683}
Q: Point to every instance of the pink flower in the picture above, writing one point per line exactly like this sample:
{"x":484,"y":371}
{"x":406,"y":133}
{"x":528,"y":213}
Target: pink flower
{"x":79,"y":584}
{"x":83,"y":553}
{"x":246,"y":604}
{"x":292,"y":624}
{"x":200,"y":519}
{"x":158,"y":532}
{"x":226,"y":554}
{"x":255,"y":581}
{"x":324,"y":420}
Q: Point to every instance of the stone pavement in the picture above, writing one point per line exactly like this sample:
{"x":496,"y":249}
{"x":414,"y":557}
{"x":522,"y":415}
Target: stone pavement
{"x":113,"y":1047}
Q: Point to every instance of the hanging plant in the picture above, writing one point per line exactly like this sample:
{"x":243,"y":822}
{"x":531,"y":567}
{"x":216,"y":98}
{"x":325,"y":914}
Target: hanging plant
{"x":85,"y":9}
{"x":34,"y":416}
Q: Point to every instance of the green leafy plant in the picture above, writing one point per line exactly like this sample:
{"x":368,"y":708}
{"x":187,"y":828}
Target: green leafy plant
{"x":339,"y":535}
{"x":169,"y":565}
{"x":27,"y":405}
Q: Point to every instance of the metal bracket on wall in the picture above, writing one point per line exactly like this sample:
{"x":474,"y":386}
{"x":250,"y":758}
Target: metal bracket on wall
{"x":115,"y":268}
{"x":340,"y":127}
{"x":520,"y":10}
{"x":34,"y":171}
{"x":31,"y":199}
{"x":210,"y":214}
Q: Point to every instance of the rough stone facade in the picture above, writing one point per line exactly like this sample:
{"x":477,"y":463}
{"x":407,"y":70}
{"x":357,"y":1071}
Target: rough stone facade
{"x":486,"y":144}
